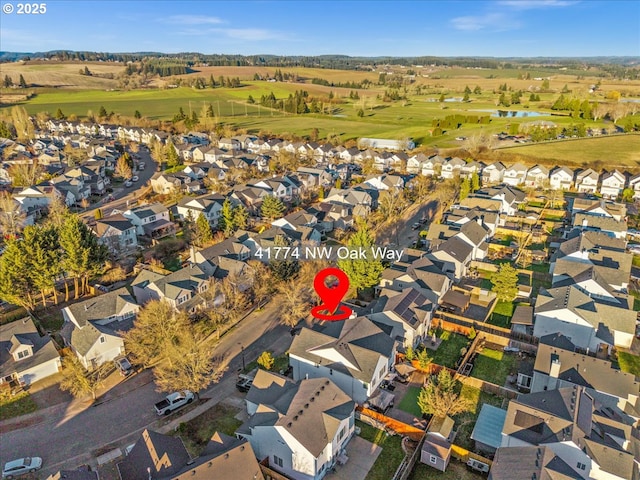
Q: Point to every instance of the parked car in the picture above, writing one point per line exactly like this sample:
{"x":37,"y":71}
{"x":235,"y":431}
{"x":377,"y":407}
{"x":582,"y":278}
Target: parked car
{"x":128,"y":183}
{"x":174,"y":401}
{"x":415,"y":226}
{"x":140,"y":165}
{"x":123,"y":365}
{"x":21,"y":466}
{"x":134,"y":178}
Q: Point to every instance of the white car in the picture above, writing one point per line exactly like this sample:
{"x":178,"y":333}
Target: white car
{"x":21,"y":466}
{"x":134,"y":178}
{"x":128,"y":183}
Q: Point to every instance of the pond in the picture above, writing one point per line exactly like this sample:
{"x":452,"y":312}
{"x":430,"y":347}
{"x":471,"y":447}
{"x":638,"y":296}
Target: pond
{"x":514,"y":113}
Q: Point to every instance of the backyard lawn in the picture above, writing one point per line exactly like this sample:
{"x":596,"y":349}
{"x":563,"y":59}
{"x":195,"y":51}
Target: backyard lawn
{"x":494,"y":366}
{"x":391,"y":455}
{"x":196,"y":432}
{"x":455,"y":471}
{"x":502,"y":313}
{"x":449,"y":350}
{"x":629,"y":363}
{"x":409,"y":402}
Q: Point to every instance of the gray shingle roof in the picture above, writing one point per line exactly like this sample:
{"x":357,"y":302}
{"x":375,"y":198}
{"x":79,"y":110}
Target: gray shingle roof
{"x":310,"y":410}
{"x":25,"y":332}
{"x":101,"y":307}
{"x":165,"y":455}
{"x":358,"y":340}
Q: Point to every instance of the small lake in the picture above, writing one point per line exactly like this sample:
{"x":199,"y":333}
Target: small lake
{"x":514,"y":113}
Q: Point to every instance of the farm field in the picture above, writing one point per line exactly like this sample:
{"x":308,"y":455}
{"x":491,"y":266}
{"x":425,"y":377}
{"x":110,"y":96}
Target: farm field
{"x":614,"y":151}
{"x":368,"y":115}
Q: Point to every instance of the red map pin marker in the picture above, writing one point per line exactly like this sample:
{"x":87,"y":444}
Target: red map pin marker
{"x":332,"y":295}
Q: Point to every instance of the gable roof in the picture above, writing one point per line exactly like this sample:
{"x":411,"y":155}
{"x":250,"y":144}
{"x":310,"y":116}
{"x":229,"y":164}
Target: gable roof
{"x":410,"y":305}
{"x":117,"y":222}
{"x":357,"y":342}
{"x":164,"y":455}
{"x":25,"y":332}
{"x":522,"y":463}
{"x":100,"y":307}
{"x":311,"y":410}
{"x":488,"y":427}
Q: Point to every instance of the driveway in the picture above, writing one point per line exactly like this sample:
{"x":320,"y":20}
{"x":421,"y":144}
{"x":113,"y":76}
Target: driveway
{"x":78,"y":432}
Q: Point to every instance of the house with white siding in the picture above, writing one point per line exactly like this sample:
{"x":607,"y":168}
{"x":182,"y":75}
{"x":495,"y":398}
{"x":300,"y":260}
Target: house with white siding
{"x":587,"y":181}
{"x":25,"y":356}
{"x":355,"y":354}
{"x":92,"y":327}
{"x":612,"y":184}
{"x":299,"y":429}
{"x":561,"y":178}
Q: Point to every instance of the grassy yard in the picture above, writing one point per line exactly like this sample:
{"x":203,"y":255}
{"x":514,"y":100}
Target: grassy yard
{"x":629,"y":363}
{"x":391,"y":455}
{"x":466,"y":421}
{"x":409,"y":402}
{"x":502,"y":314}
{"x":14,"y":406}
{"x":455,"y":471}
{"x":196,"y":432}
{"x":172,"y":264}
{"x":449,"y":350}
{"x":494,"y":366}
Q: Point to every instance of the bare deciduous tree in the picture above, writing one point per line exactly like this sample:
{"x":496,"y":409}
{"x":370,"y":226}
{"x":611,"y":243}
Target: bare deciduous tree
{"x":11,"y":216}
{"x":78,"y":381}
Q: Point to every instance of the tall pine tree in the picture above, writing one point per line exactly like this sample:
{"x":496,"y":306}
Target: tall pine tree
{"x":362,"y":273}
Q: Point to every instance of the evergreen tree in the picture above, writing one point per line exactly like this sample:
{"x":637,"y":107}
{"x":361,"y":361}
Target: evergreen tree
{"x":42,"y":250}
{"x":467,"y":90}
{"x":226,"y":222}
{"x":442,"y":98}
{"x":477,"y":90}
{"x":8,"y":81}
{"x":505,"y":282}
{"x":59,"y":115}
{"x":240,"y":217}
{"x":362,"y":273}
{"x":283,"y":267}
{"x":22,"y":82}
{"x":137,"y":114}
{"x":102,"y":113}
{"x":439,"y":397}
{"x":16,"y":287}
{"x":466,"y":97}
{"x":203,"y":231}
{"x":475,"y":182}
{"x":173,"y":159}
{"x":272,"y":207}
{"x":465,"y":188}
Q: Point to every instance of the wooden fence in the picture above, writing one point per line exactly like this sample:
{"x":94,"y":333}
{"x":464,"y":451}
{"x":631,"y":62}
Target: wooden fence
{"x":397,"y":426}
{"x":408,"y":462}
{"x":462,"y":454}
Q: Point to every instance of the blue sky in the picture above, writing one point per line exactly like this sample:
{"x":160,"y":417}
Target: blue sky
{"x":299,"y":27}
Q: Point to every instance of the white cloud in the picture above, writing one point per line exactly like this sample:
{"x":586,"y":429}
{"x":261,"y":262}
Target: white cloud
{"x":531,"y":4}
{"x":192,"y":20}
{"x":488,"y":21}
{"x":243,"y":34}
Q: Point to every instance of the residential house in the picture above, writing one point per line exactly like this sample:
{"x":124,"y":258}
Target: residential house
{"x":527,"y":463}
{"x":537,"y":177}
{"x":165,"y":183}
{"x":250,"y":197}
{"x":82,"y":473}
{"x":596,"y":262}
{"x":473,"y":167}
{"x":39,"y":196}
{"x":298,"y":219}
{"x":230,"y":144}
{"x":151,"y":220}
{"x":493,"y":173}
{"x":116,"y":232}
{"x":223,"y":259}
{"x":154,"y":457}
{"x":559,"y":365}
{"x":385,"y":182}
{"x":591,"y":321}
{"x":300,"y":429}
{"x":587,"y":181}
{"x":600,"y":223}
{"x":314,"y":177}
{"x":209,"y":205}
{"x":91,"y":328}
{"x":432,"y":167}
{"x":455,"y":254}
{"x":180,"y":288}
{"x":422,"y":274}
{"x":451,"y":167}
{"x":561,"y":178}
{"x":515,"y":174}
{"x":409,"y":313}
{"x":356,"y":354}
{"x":589,"y":439}
{"x":634,"y":184}
{"x":25,"y":356}
{"x":612,"y":184}
{"x":416,"y":162}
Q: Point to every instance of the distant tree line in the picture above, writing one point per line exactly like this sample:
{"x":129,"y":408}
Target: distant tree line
{"x":321,"y":81}
{"x":456,"y":121}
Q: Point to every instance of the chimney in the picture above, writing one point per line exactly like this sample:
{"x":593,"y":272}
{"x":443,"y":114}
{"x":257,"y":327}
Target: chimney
{"x":554,"y":371}
{"x":192,"y":254}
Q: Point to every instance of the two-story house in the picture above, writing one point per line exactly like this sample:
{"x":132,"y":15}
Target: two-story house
{"x":356,"y":354}
{"x":25,"y":356}
{"x":298,"y":429}
{"x":116,"y":232}
{"x":152,"y":220}
{"x":209,"y":205}
{"x":561,"y":178}
{"x":91,"y":328}
{"x":515,"y":174}
{"x":180,"y":288}
{"x":612,"y":184}
{"x":587,"y":181}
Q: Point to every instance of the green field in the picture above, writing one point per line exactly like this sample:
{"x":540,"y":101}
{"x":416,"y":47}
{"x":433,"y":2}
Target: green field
{"x":613,"y":151}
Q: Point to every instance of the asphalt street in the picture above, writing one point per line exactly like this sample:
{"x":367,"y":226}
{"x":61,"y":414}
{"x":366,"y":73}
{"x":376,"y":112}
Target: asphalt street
{"x":73,"y":437}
